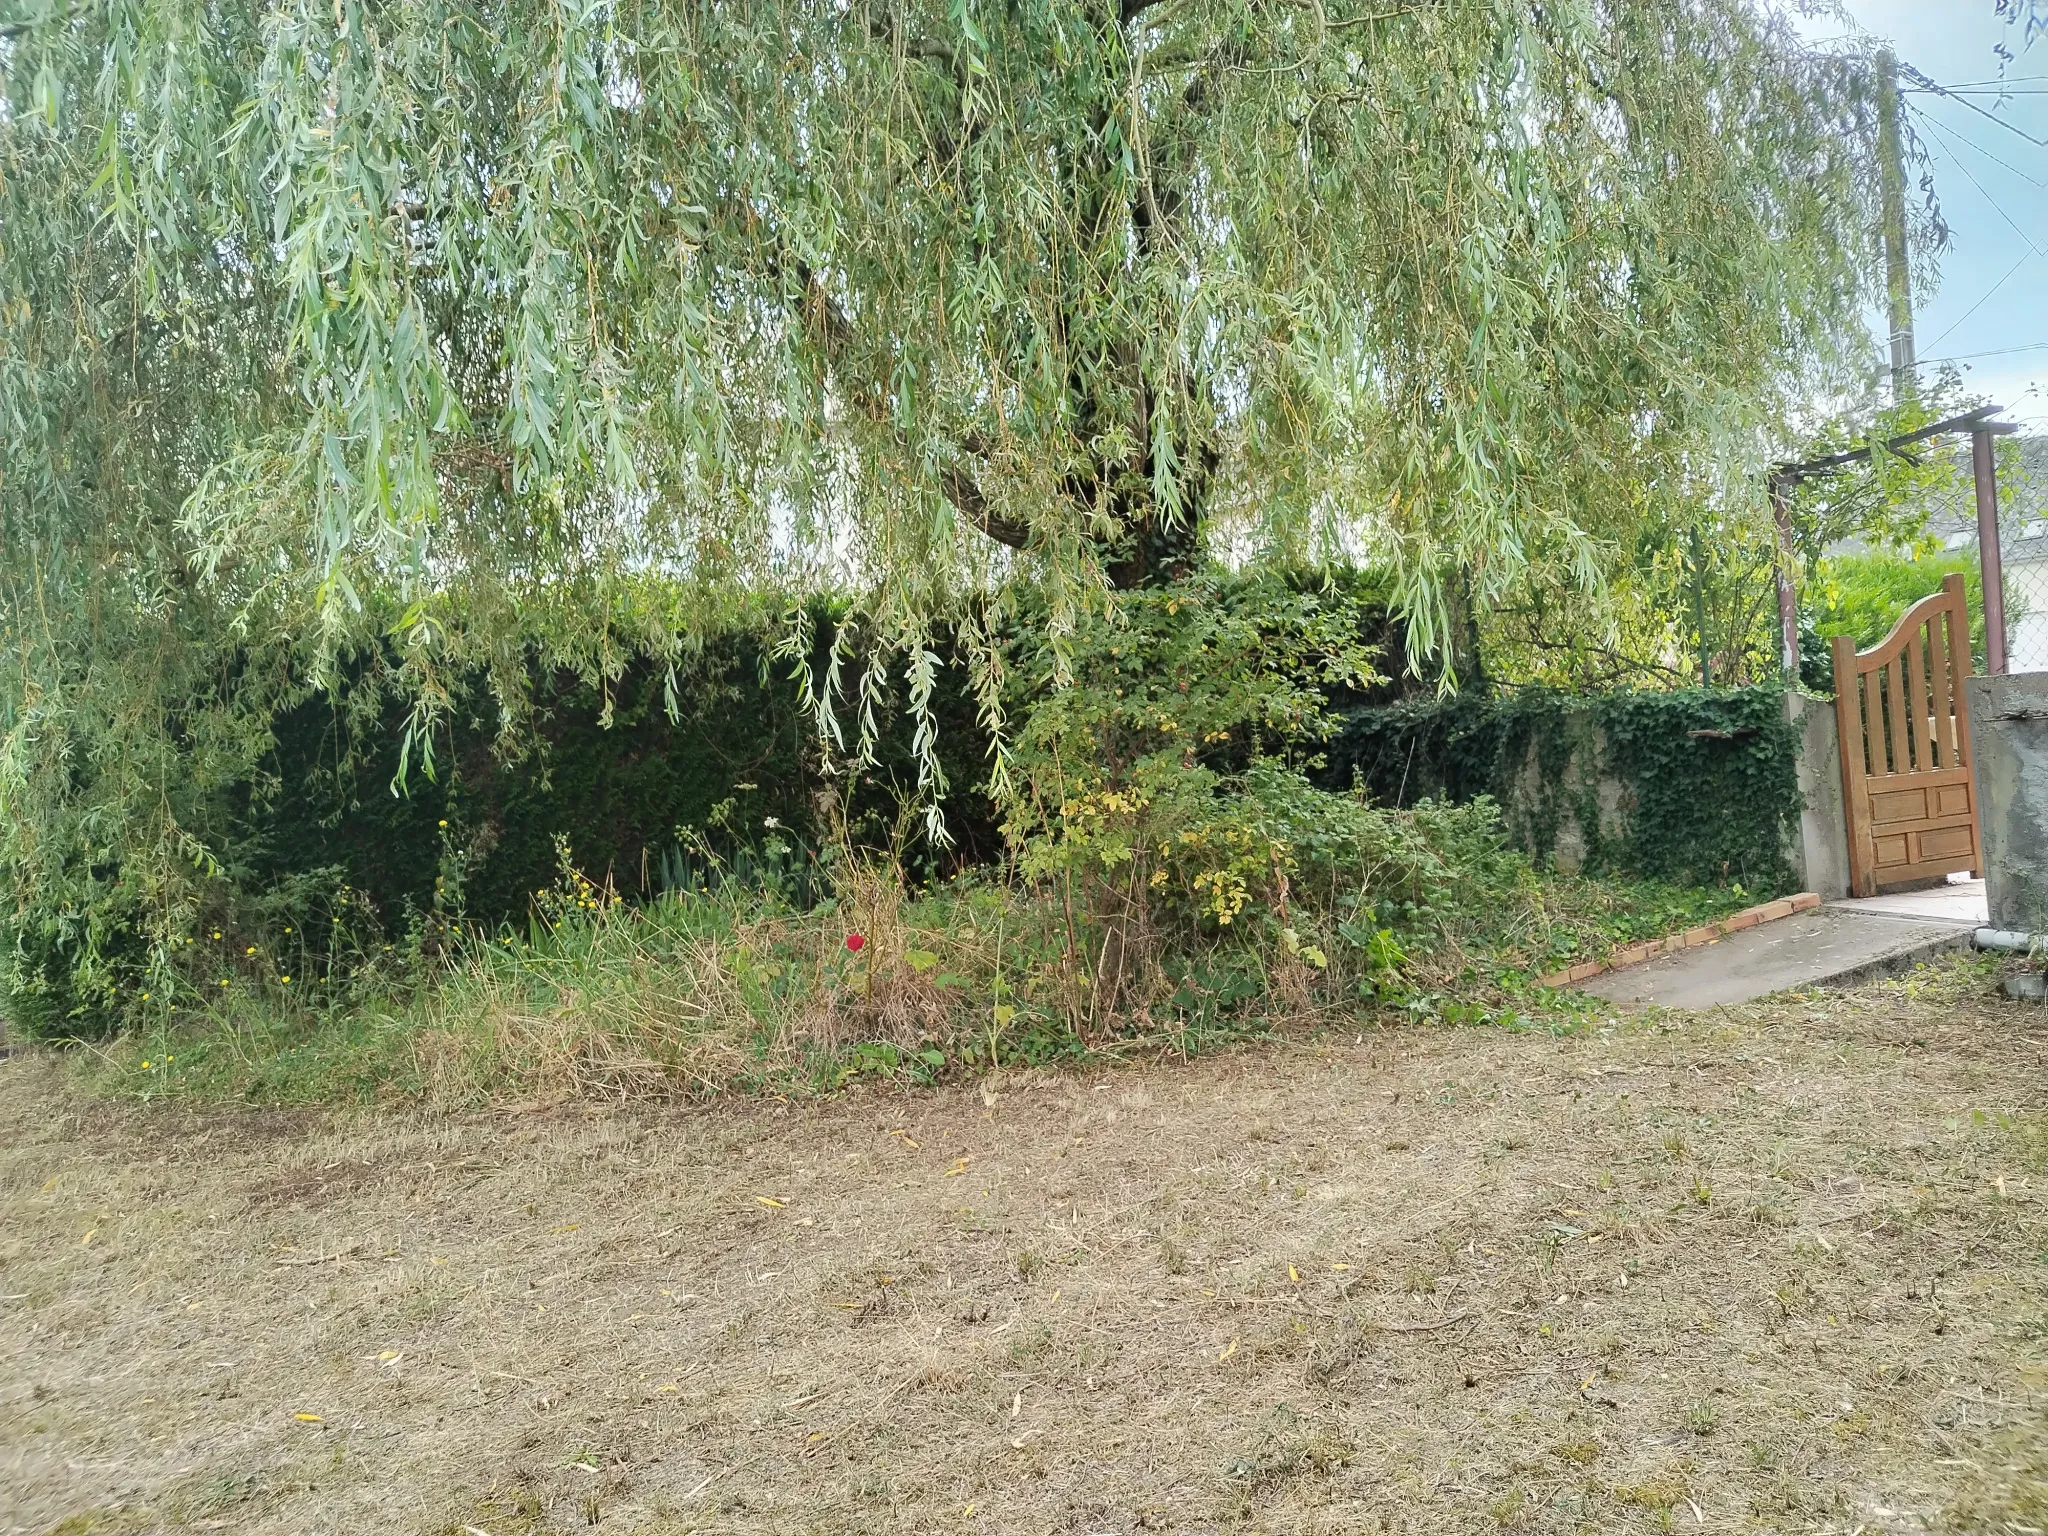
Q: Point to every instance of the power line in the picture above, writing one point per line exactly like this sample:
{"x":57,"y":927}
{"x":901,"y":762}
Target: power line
{"x":1943,"y":128}
{"x":1976,"y":90}
{"x":2025,"y":257}
{"x":2033,"y":249}
{"x":1964,"y":357}
{"x":1997,"y":207}
{"x":1967,"y":85}
{"x":1991,"y":117}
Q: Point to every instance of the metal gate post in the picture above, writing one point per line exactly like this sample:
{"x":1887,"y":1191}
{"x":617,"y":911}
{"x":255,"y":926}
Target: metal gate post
{"x":1985,"y":472}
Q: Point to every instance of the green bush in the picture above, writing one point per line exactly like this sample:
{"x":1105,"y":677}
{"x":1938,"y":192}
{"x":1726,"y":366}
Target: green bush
{"x":71,"y":975}
{"x":1159,"y":783}
{"x":1862,"y":596}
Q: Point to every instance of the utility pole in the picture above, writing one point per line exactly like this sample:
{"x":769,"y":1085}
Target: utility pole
{"x":1898,"y":274}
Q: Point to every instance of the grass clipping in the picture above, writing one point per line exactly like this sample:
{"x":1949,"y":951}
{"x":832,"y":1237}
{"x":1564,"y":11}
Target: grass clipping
{"x":1773,"y":1267}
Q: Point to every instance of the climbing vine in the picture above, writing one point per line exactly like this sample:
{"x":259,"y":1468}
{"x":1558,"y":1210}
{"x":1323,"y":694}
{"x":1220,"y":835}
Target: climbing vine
{"x":1700,"y":784}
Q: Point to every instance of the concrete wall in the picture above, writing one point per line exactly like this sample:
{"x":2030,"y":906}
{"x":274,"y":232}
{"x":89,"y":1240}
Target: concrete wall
{"x":1585,"y":769}
{"x":2009,"y":746}
{"x":1818,"y":852}
{"x":1822,"y":858}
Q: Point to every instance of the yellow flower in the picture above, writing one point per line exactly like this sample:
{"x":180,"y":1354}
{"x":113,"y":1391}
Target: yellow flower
{"x":286,"y":980}
{"x":145,"y":1066}
{"x":250,"y":950}
{"x":444,"y":823}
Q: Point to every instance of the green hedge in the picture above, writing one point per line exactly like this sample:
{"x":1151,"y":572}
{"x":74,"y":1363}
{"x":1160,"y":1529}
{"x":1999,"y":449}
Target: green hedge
{"x":314,"y":842}
{"x":319,"y":845}
{"x":1706,"y":778}
{"x":738,"y":769}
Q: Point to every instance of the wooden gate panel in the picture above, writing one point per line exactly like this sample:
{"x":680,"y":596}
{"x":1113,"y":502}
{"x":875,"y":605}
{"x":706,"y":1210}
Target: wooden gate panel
{"x":1904,"y":730}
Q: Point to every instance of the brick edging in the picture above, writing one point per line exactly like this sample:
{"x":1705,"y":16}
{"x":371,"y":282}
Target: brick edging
{"x":1692,"y":938}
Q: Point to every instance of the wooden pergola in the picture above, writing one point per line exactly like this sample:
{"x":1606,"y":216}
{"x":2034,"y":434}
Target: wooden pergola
{"x":1982,"y":429}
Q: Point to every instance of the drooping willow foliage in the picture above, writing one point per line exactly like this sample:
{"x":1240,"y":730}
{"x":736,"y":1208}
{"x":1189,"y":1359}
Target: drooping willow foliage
{"x":416,"y":336}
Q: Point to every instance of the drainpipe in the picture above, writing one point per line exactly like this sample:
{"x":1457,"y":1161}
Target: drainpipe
{"x":2009,"y":942}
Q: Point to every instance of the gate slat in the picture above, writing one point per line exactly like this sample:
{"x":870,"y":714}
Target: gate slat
{"x":1937,"y":667}
{"x":1869,"y":725}
{"x":1915,"y":687}
{"x":1959,"y":663}
{"x":1894,"y":712}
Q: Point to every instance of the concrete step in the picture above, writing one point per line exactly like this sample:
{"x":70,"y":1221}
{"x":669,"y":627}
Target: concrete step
{"x":1833,"y":947}
{"x":1955,"y":901}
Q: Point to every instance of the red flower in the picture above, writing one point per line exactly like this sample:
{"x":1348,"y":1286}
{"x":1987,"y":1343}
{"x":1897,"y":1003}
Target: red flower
{"x":855,"y":942}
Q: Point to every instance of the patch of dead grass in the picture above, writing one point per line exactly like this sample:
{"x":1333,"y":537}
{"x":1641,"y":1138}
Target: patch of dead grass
{"x":1426,"y":1281}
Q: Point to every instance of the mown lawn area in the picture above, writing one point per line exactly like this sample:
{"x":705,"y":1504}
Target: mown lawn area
{"x":1779,"y":1268}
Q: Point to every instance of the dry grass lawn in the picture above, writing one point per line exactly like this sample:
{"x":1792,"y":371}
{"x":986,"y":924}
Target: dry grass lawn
{"x":1778,"y":1268}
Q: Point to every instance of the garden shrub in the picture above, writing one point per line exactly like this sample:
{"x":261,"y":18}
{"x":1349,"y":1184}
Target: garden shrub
{"x":59,"y":985}
{"x":1863,"y":595}
{"x":1163,"y":790}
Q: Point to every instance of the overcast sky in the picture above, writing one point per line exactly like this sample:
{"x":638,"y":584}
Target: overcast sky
{"x":1990,"y":298}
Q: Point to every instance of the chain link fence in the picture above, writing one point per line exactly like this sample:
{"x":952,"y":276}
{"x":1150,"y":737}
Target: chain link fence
{"x":1951,"y":536}
{"x":2022,"y":542}
{"x":2023,"y":551}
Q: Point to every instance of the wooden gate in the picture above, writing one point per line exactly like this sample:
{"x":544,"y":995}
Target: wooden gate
{"x":1904,"y":730}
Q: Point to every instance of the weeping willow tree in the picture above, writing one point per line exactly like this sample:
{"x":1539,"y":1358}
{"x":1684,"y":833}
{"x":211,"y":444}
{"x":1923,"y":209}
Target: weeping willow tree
{"x":445,"y":334}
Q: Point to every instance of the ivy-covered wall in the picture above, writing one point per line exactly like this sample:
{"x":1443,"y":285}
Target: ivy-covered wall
{"x":1693,"y":785}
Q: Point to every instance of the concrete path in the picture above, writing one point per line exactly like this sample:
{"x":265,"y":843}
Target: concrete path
{"x":1960,"y":901}
{"x":1840,"y":944}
